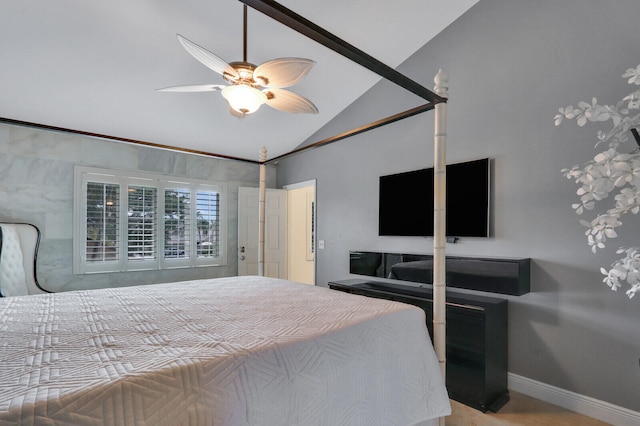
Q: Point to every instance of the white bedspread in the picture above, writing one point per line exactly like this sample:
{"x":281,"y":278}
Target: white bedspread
{"x":230,"y":351}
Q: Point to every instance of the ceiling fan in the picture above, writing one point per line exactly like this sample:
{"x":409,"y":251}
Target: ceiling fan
{"x":250,"y":85}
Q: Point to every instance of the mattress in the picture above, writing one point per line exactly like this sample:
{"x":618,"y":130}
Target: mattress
{"x":229,"y":351}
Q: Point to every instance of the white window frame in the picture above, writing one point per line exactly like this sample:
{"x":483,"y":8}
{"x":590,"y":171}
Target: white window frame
{"x":124,"y":179}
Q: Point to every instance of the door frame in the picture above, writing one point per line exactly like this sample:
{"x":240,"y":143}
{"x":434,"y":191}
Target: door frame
{"x":306,"y":184}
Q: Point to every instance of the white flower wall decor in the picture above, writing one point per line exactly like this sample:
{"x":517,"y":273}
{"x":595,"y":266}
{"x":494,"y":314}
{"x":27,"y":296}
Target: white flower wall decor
{"x":616,"y":170}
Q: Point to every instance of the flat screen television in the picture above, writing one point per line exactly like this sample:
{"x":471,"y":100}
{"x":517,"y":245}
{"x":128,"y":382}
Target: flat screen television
{"x":406,"y":201}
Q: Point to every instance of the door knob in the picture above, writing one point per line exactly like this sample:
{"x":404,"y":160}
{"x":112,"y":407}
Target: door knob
{"x":241,"y":257}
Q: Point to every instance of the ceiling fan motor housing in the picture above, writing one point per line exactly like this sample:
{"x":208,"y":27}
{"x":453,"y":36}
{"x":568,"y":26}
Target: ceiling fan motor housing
{"x":245,"y":71}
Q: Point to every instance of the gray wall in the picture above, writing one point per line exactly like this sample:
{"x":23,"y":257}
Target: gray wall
{"x":512,"y":64}
{"x":36,"y":186}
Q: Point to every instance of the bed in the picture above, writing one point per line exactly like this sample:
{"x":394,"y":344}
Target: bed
{"x":237,"y":351}
{"x":227,"y":351}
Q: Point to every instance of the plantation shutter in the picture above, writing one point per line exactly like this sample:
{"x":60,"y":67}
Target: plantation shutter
{"x":142,"y":223}
{"x":102,"y":222}
{"x":177,"y":223}
{"x":208,"y":228}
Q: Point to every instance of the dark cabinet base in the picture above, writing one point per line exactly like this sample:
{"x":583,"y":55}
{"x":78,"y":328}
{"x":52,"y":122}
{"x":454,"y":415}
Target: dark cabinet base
{"x":476,"y":339}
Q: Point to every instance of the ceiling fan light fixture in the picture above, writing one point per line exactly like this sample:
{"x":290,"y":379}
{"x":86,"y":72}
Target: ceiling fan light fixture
{"x":244,"y":99}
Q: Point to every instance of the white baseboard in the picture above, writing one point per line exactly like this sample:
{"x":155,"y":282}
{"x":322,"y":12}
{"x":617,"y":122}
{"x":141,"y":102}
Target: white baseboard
{"x":582,"y":404}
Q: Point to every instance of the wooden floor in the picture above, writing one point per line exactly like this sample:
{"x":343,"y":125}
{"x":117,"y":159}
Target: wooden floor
{"x":521,"y":410}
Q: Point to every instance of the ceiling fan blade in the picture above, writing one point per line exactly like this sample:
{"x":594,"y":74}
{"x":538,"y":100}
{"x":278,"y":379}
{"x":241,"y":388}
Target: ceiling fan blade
{"x":287,"y":101}
{"x":282,"y":72}
{"x":235,"y":113}
{"x":207,"y":58}
{"x":193,"y":88}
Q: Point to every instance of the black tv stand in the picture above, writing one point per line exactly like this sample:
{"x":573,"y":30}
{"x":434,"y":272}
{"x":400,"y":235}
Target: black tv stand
{"x":476,"y":339}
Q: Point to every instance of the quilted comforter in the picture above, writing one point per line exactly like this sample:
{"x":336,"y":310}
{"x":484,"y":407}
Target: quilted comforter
{"x":229,"y":351}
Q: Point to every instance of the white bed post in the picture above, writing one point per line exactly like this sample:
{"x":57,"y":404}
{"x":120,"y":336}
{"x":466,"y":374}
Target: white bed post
{"x":439,"y":222}
{"x":261,"y":212}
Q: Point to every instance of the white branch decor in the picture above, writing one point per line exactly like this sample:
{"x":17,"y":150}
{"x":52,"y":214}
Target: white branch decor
{"x":611,"y":171}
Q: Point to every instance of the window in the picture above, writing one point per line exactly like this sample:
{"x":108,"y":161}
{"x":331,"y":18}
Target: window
{"x":138,"y":221}
{"x":141,"y":223}
{"x":177,"y":223}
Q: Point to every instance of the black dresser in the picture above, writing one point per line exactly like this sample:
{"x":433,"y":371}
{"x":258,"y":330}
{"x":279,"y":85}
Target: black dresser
{"x":476,"y":339}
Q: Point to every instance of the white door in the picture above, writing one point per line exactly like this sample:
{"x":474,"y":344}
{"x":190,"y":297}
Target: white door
{"x":275,"y":232}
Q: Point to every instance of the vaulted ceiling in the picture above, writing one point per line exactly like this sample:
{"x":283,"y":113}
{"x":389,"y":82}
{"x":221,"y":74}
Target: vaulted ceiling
{"x":94,"y":66}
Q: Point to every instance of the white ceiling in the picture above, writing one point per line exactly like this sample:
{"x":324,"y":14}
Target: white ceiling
{"x":94,"y":65}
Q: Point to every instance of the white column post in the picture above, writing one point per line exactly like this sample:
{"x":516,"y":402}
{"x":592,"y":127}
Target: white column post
{"x":261,"y":212}
{"x":439,"y":238}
